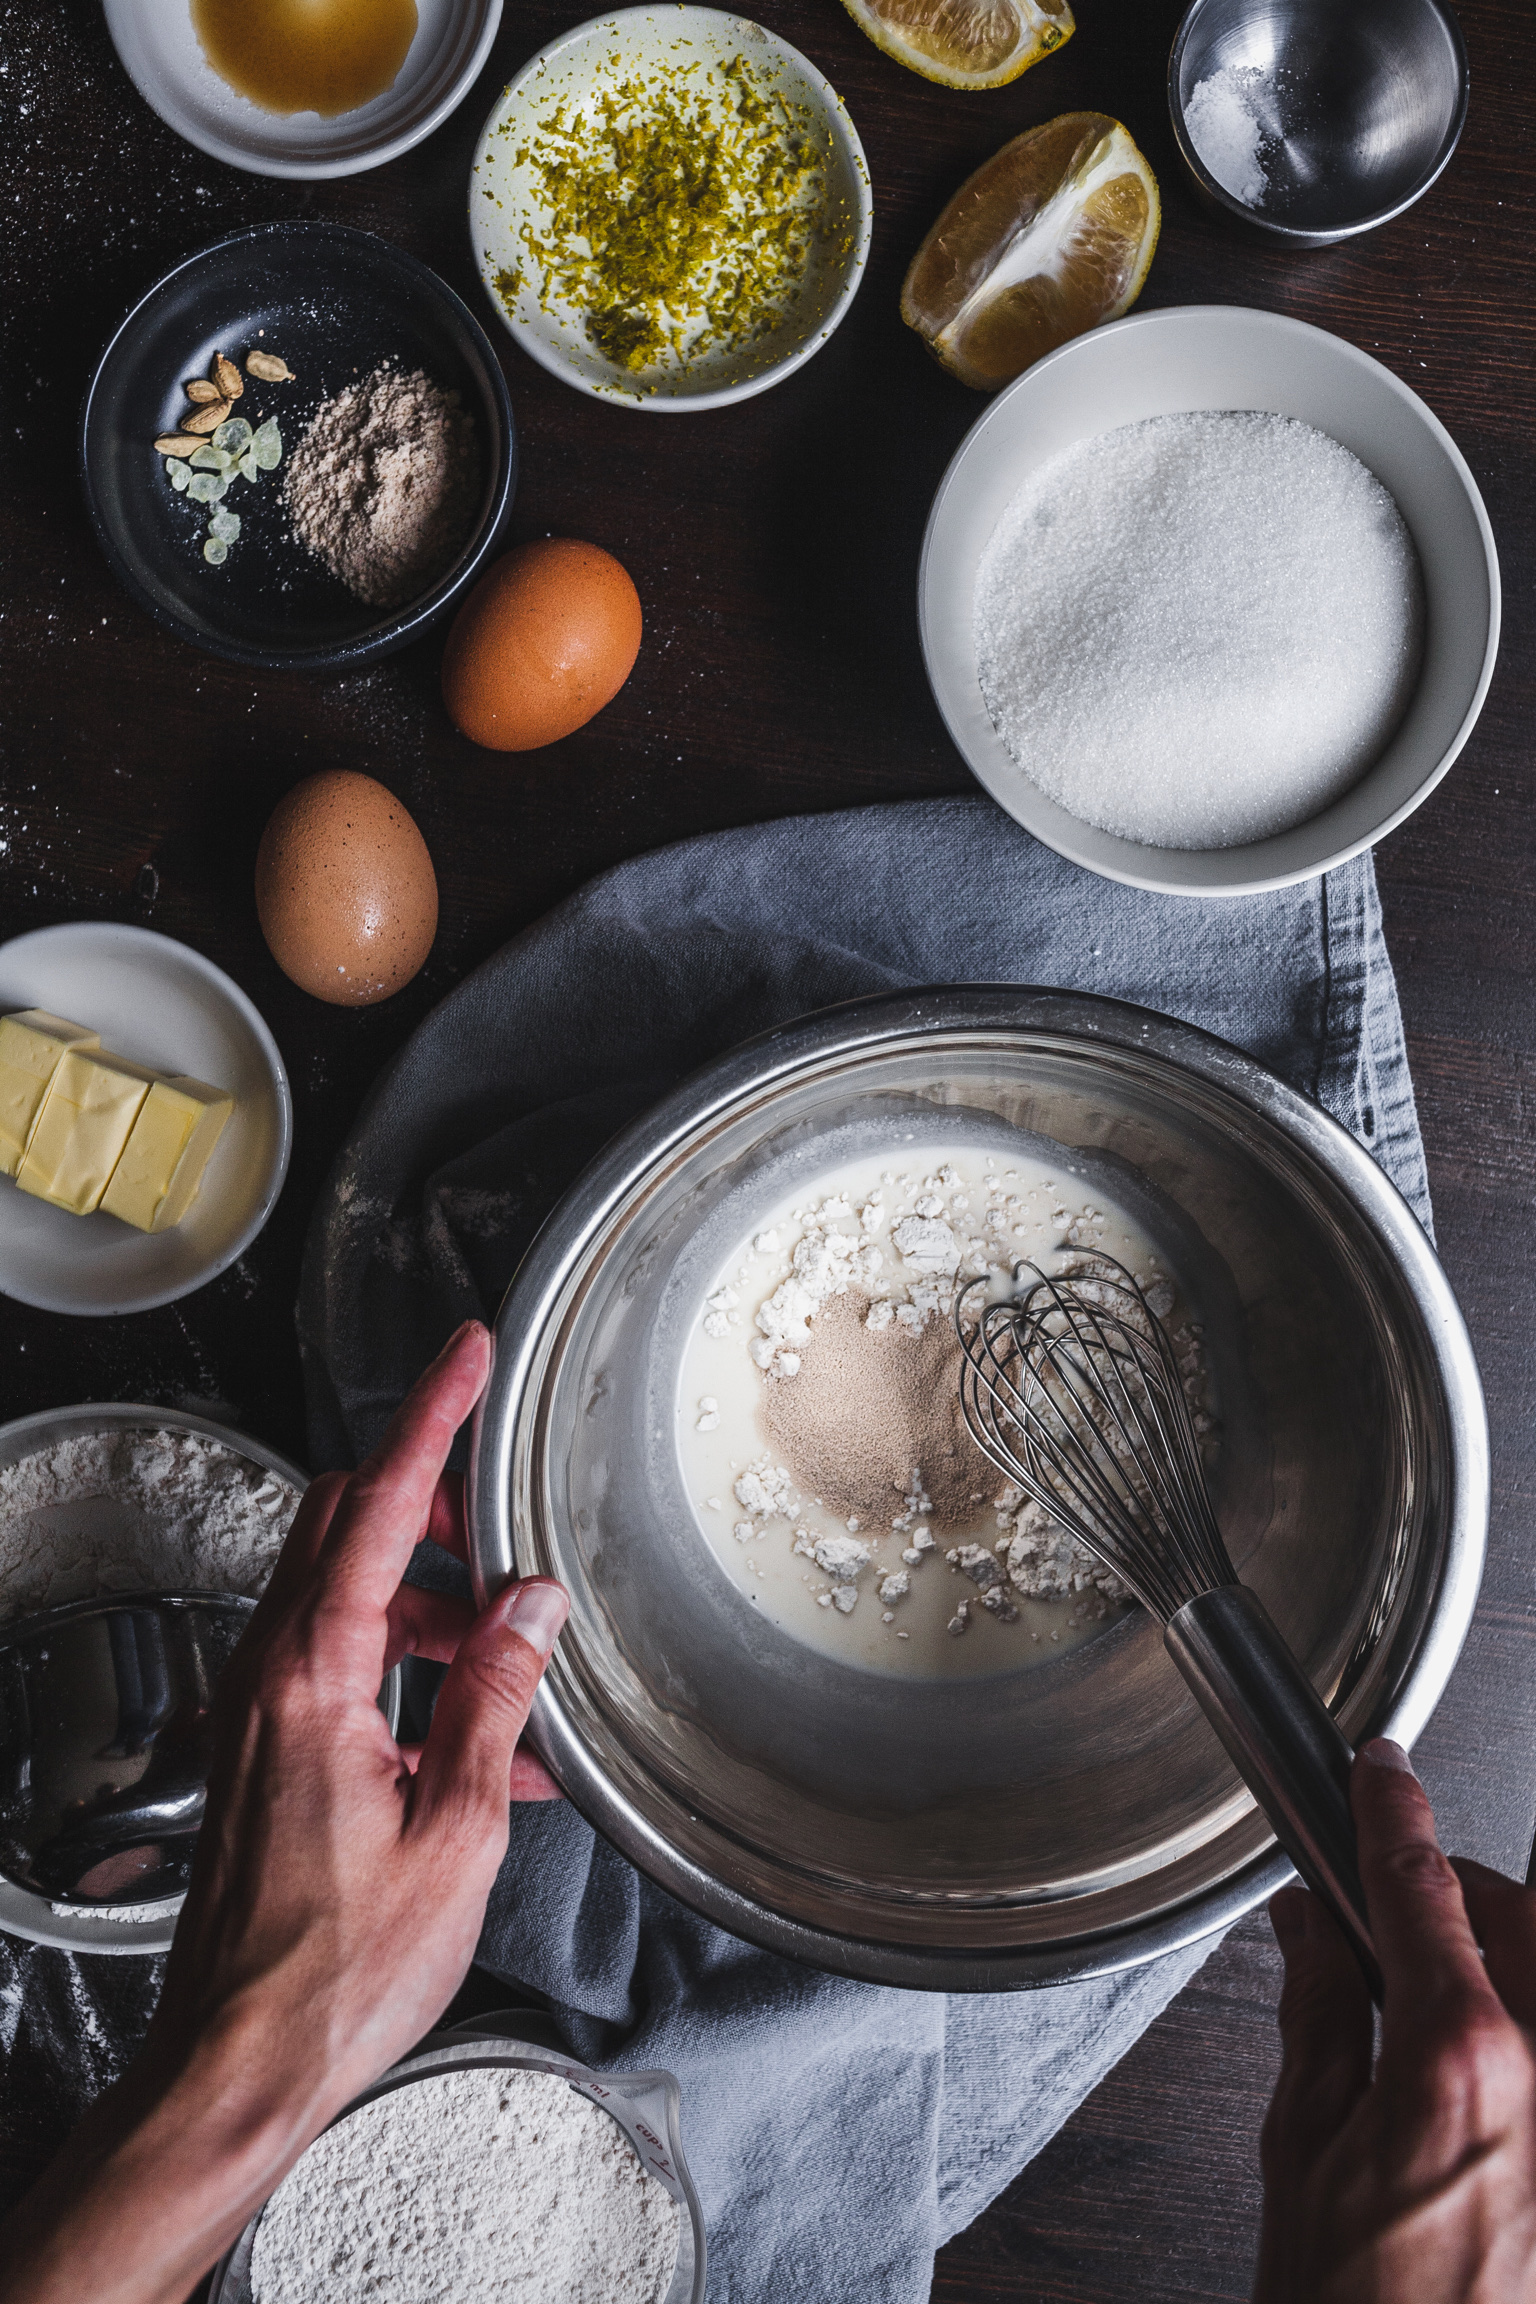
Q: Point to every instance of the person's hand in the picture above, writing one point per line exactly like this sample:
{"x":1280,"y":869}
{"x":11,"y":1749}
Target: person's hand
{"x":339,"y":1879}
{"x":339,"y":1883}
{"x":1415,"y":2184}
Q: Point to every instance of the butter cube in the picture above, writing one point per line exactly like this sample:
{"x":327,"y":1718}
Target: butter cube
{"x":156,"y":1180}
{"x":92,"y":1102}
{"x":31,"y":1044}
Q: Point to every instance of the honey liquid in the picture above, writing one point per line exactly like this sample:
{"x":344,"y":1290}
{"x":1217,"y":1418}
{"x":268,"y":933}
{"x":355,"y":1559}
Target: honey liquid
{"x":325,"y":56}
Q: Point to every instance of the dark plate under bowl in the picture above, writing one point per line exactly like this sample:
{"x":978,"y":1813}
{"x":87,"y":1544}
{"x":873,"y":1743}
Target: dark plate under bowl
{"x":333,"y":303}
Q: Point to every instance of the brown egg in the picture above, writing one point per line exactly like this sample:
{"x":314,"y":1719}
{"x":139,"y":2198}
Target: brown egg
{"x":548,"y":636}
{"x":345,"y":889}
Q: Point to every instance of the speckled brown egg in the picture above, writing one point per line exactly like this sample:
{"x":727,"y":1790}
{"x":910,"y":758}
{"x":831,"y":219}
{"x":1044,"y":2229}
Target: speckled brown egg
{"x":547,"y":637}
{"x":345,"y":889}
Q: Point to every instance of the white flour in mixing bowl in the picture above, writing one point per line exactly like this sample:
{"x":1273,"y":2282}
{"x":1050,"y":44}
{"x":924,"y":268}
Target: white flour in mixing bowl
{"x":475,"y":2187}
{"x":134,"y":1511}
{"x":819,"y":1427}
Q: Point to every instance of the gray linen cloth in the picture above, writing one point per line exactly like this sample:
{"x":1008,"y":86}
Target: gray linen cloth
{"x":839,"y":2132}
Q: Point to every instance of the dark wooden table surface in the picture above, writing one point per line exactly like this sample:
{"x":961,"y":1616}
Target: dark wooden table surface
{"x":775,"y":548}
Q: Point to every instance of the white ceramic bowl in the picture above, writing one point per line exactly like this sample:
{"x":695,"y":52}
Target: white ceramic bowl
{"x":164,"y":59}
{"x":164,"y":1005}
{"x":1222,"y":357}
{"x":502,"y":194}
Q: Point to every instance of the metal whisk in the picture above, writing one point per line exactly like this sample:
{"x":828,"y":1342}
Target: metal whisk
{"x":1071,"y":1388}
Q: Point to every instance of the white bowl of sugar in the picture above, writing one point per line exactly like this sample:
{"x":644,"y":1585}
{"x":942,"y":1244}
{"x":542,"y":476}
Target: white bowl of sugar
{"x":1210,"y":654}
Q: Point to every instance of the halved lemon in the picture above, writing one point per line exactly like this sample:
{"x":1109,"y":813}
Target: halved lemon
{"x":1050,"y":236}
{"x":965,"y":43}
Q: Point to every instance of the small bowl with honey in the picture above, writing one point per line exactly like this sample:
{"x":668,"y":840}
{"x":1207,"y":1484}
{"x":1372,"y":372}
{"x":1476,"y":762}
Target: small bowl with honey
{"x":303,"y":88}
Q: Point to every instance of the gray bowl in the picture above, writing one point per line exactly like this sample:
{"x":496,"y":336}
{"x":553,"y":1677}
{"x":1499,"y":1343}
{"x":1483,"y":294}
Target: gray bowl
{"x":1042,"y":1824}
{"x":1361,"y":107}
{"x":336,"y":303}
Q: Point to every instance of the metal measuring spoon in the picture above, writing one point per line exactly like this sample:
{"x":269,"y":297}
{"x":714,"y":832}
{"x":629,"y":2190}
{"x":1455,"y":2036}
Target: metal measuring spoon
{"x":105,"y":1742}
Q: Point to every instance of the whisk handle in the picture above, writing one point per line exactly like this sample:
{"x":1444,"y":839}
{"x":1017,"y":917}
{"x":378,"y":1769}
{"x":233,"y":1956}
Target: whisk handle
{"x":1284,"y":1743}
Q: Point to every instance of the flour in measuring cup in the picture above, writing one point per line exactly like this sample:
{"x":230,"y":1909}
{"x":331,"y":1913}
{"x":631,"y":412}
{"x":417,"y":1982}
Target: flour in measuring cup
{"x":499,"y":2186}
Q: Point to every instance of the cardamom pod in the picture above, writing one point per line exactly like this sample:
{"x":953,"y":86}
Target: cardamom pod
{"x":201,"y":389}
{"x":177,"y":443}
{"x":207,"y":419}
{"x":227,"y":377}
{"x":268,"y":367}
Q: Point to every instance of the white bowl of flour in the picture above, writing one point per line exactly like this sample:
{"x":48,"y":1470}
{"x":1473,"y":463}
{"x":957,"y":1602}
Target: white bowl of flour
{"x":1209,"y":600}
{"x":486,"y":2166}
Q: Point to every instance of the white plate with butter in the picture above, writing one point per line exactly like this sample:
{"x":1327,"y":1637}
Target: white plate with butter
{"x":161,"y":1006}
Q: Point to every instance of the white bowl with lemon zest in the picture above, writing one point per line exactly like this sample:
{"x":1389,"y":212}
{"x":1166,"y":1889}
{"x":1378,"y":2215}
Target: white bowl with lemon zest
{"x":670,"y":208}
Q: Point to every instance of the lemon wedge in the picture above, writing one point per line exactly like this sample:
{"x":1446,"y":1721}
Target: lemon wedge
{"x":965,"y":43}
{"x":1051,"y":236}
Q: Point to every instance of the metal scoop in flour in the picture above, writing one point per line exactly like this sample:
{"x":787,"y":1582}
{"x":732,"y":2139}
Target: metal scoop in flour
{"x":105,"y":1742}
{"x":1071,"y":1388}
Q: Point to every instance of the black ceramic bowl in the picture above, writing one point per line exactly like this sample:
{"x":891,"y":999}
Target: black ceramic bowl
{"x":333,"y":303}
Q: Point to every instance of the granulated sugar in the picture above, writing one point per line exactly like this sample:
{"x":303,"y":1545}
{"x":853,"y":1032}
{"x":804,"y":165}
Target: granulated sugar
{"x":136,"y":1511}
{"x":383,"y":485}
{"x":476,"y":2187}
{"x":1199,"y":630}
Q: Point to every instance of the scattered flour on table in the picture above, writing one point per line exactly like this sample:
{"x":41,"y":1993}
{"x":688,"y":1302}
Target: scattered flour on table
{"x":476,"y":2187}
{"x":134,"y":1511}
{"x":1201,"y":629}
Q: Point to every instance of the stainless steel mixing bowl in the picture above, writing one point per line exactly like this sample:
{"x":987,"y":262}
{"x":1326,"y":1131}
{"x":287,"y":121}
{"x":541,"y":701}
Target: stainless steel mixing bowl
{"x":1056,"y":1821}
{"x":1363,"y":106}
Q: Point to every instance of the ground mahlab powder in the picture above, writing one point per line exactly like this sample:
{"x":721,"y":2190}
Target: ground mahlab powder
{"x":384,"y":484}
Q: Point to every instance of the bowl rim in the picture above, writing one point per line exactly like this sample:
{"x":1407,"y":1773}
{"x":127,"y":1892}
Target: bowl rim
{"x":1324,"y":236}
{"x":841,"y":123}
{"x":1159,"y":878}
{"x":536,"y":1295}
{"x":416,"y":617}
{"x":295,"y":167}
